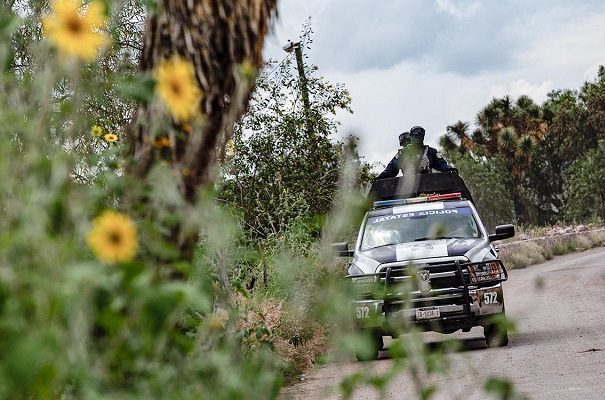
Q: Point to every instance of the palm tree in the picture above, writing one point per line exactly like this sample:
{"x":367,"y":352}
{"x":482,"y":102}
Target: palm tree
{"x":491,"y":119}
{"x":459,"y":136}
{"x":511,"y":131}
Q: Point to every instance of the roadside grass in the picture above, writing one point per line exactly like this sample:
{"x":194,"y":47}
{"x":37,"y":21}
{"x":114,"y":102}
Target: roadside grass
{"x":298,"y":340}
{"x":523,"y":254}
{"x":526,"y":254}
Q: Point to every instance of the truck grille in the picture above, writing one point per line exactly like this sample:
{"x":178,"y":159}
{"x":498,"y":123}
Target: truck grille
{"x":411,"y":281}
{"x":446,"y":282}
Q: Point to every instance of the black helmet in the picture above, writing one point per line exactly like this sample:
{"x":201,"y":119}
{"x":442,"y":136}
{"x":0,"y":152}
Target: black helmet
{"x":404,"y":139}
{"x":417,"y":135}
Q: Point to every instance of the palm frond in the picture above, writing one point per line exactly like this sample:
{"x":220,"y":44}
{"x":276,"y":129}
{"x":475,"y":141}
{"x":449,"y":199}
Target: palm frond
{"x":507,"y":139}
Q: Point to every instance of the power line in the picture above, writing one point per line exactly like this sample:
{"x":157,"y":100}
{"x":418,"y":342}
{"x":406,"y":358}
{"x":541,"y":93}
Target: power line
{"x":278,"y":65}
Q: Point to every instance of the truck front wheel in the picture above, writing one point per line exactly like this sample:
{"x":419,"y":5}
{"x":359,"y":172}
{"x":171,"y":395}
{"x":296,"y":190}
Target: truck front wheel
{"x":371,"y":353}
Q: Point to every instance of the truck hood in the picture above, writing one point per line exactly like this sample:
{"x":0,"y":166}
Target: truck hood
{"x":474,"y":249}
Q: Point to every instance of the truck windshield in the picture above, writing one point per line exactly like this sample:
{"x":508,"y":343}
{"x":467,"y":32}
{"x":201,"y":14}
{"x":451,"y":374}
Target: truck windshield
{"x":419,"y":225}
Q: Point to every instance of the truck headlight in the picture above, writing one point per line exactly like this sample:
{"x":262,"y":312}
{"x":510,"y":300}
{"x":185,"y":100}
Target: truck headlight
{"x":363,"y":284}
{"x":490,"y":271}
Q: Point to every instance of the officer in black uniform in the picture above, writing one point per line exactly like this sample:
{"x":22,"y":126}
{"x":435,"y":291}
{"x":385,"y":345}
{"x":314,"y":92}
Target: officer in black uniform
{"x":413,"y":151}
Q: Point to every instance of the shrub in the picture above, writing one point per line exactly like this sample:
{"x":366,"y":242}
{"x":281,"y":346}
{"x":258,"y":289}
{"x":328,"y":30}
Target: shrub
{"x":517,"y":261}
{"x":548,"y":253}
{"x":560,"y":248}
{"x":296,"y":339}
{"x":532,"y":251}
{"x":524,"y":254}
{"x":581,"y":243}
{"x":597,"y":239}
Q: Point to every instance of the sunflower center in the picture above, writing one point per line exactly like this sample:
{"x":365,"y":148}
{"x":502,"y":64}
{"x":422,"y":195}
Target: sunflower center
{"x":114,"y":238}
{"x":176,"y":87}
{"x":74,"y":25}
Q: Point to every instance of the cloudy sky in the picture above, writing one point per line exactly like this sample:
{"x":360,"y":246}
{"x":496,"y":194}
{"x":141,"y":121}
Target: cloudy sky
{"x":433,"y":62}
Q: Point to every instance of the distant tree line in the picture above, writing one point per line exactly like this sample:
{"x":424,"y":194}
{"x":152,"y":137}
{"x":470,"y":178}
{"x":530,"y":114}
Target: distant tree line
{"x":540,"y":164}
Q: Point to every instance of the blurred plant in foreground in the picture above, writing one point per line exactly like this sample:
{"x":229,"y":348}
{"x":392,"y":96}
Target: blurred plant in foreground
{"x":117,"y":264}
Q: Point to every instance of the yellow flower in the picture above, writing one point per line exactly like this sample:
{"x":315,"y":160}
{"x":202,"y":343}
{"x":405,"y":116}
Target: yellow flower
{"x":111,"y":137}
{"x":177,"y":87}
{"x":96,"y":131}
{"x":113,"y":237}
{"x":74,"y":32}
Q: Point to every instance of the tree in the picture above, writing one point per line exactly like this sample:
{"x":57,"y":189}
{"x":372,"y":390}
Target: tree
{"x":507,"y":131}
{"x":585,"y":187}
{"x":458,"y":138}
{"x":223,"y":43}
{"x":112,"y":307}
{"x":592,"y":96}
{"x":278,"y":170}
{"x":489,"y":184}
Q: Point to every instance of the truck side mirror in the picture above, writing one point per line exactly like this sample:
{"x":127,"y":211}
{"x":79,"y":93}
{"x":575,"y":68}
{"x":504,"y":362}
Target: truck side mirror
{"x":503,"y":232}
{"x":341,"y":249}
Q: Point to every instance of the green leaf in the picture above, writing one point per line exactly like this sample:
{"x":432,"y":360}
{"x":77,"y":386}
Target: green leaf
{"x":347,"y":386}
{"x":139,"y":88}
{"x":502,"y":388}
{"x":428,"y":392}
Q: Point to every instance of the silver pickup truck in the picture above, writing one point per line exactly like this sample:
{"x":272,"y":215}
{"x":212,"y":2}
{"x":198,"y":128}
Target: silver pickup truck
{"x":426,"y":261}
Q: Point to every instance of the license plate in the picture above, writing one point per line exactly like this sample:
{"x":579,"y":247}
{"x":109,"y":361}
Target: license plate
{"x":428,"y":313}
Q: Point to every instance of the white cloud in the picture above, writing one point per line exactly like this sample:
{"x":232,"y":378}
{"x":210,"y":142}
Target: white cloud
{"x":521,"y":87}
{"x":591,"y":72}
{"x":456,"y":55}
{"x":388,"y":102}
{"x":458,"y":9}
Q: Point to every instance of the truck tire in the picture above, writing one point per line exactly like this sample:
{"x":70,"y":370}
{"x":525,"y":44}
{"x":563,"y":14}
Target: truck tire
{"x":370,"y":354}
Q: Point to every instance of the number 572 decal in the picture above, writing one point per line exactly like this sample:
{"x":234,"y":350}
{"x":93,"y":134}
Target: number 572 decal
{"x":362,"y":312}
{"x":490,"y":298}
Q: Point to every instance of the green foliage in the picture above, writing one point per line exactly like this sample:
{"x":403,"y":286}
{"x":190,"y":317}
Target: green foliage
{"x":488,"y":183}
{"x":285,"y":164}
{"x":71,"y":326}
{"x":166,"y":324}
{"x":501,"y":388}
{"x":546,"y":152}
{"x":585,"y":187}
{"x":561,"y":248}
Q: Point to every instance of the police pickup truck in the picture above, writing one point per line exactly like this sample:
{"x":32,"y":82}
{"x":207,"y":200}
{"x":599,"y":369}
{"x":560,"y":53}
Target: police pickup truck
{"x":426,"y":261}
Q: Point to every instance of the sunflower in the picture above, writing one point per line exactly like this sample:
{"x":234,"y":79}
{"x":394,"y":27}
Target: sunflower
{"x":96,"y":131}
{"x":113,"y":237}
{"x":177,"y":87}
{"x":111,"y":137}
{"x":74,"y":32}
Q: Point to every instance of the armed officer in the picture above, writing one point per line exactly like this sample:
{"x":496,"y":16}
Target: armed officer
{"x":414,"y":152}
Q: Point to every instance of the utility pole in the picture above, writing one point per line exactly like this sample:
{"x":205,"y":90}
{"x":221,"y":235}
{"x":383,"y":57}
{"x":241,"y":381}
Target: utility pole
{"x":302,"y":82}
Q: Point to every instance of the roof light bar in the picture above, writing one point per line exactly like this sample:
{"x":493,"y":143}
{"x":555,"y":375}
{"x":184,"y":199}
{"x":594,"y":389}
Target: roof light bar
{"x":416,"y":200}
{"x":399,"y":202}
{"x":449,"y":196}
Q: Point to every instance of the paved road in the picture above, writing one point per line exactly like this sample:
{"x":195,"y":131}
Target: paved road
{"x":558,"y":352}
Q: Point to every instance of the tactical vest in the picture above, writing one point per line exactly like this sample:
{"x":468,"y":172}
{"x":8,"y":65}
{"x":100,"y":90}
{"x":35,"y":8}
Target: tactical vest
{"x":421,"y":163}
